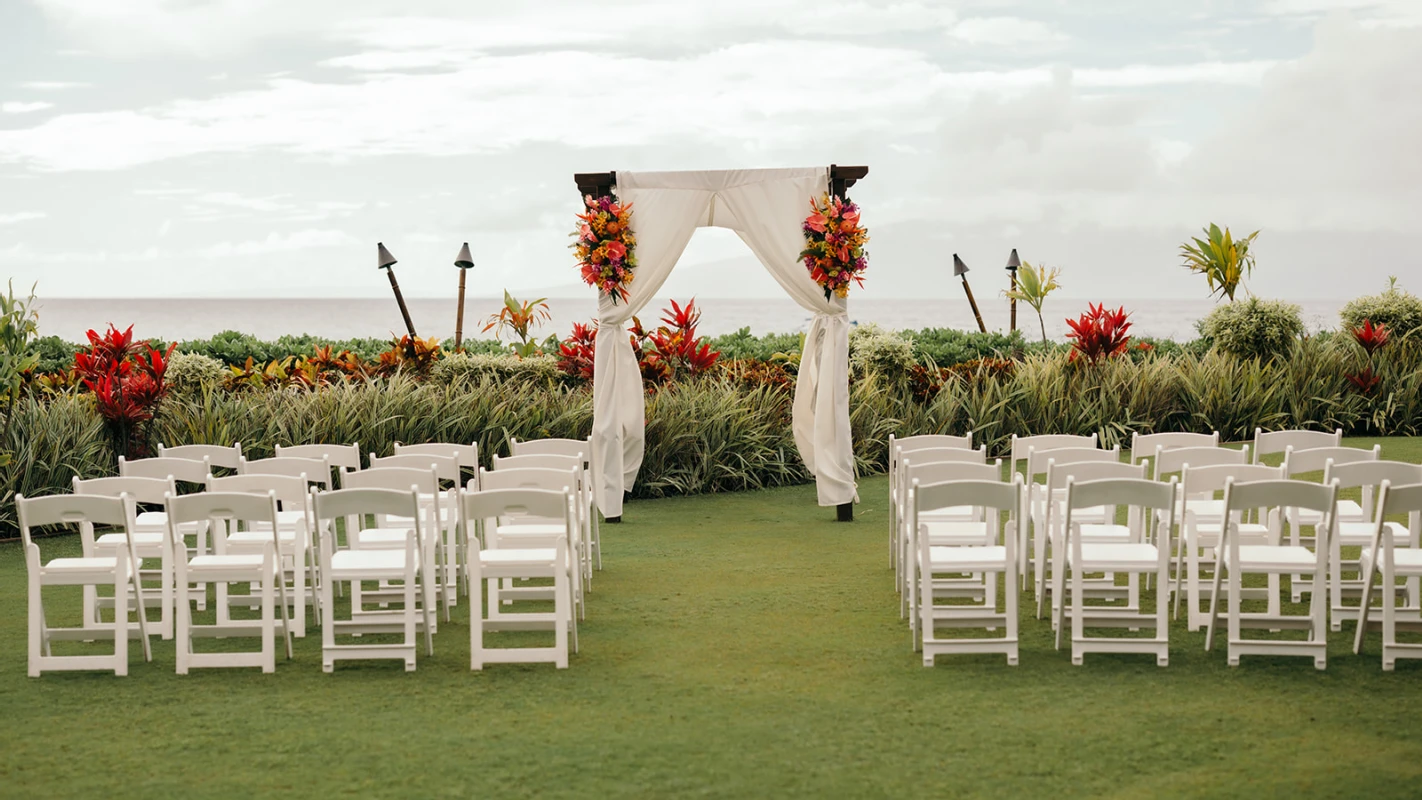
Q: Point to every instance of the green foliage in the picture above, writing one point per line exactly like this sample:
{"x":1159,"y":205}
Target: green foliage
{"x":743,"y":344}
{"x":873,"y":349}
{"x":948,"y":346}
{"x":191,"y":373}
{"x":1221,"y":258}
{"x":1399,"y":310}
{"x":1253,"y":328}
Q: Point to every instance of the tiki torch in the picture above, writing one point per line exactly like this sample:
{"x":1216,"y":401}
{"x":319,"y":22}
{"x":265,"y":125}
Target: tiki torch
{"x":465,"y":262}
{"x":961,"y":270}
{"x":385,"y":262}
{"x":1013,"y":264}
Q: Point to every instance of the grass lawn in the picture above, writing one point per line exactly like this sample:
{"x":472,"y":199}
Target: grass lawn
{"x":736,"y":646}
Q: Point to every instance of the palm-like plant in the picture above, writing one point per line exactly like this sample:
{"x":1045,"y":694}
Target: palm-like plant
{"x":1033,"y":286}
{"x":1222,"y":259}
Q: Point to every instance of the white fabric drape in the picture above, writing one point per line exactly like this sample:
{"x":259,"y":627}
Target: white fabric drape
{"x":765,"y":208}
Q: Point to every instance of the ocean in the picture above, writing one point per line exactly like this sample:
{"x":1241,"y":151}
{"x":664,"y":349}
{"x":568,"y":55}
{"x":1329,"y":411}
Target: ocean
{"x":180,"y":319}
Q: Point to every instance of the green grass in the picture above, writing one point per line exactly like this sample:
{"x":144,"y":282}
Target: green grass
{"x":737,"y":645}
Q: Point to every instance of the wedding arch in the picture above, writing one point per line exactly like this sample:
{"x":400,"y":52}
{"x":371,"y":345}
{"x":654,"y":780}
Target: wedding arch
{"x":766,"y":208}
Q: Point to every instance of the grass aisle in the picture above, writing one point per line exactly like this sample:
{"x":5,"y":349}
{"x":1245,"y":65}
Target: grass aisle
{"x":736,"y":645}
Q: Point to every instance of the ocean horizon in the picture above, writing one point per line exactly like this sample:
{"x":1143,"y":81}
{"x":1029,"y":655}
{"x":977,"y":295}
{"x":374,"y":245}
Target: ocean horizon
{"x":178,"y":319}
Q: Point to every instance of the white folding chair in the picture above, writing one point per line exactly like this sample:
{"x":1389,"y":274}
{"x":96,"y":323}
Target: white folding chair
{"x":1382,"y":555}
{"x":215,"y":455}
{"x":229,"y":563}
{"x":295,"y":552}
{"x":1151,"y":507}
{"x":1149,"y":445}
{"x":985,"y":555}
{"x":403,"y":563}
{"x":1098,"y":524}
{"x":1314,"y":459}
{"x":1367,"y":477}
{"x":148,"y":541}
{"x":546,"y":558}
{"x":964,"y":525}
{"x":390,"y":531}
{"x":88,"y":570}
{"x":341,"y":457}
{"x":1200,"y":533}
{"x":1276,"y":442}
{"x":1236,"y":559}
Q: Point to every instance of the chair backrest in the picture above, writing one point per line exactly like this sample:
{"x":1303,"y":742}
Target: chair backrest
{"x":230,"y":507}
{"x":528,"y":478}
{"x":339,"y":456}
{"x":315,"y":470}
{"x":551,"y":447}
{"x":1315,"y":459}
{"x":1372,"y":473}
{"x":1196,"y":481}
{"x":142,"y":490}
{"x":1022,"y":446}
{"x":1058,"y":475}
{"x":941,"y":471}
{"x":1282,"y":494}
{"x":1268,"y":442}
{"x":216,"y":454}
{"x":537,"y":461}
{"x":1148,"y":444}
{"x":446,"y":467}
{"x":1037,"y":460}
{"x":357,"y":502}
{"x":466,"y":455}
{"x":83,"y":510}
{"x":181,"y":469}
{"x":1175,"y":459}
{"x":292,"y":491}
{"x":425,"y":480}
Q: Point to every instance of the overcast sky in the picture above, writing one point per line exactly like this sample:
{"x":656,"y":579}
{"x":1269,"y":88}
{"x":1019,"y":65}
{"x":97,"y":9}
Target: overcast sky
{"x":261,"y":147}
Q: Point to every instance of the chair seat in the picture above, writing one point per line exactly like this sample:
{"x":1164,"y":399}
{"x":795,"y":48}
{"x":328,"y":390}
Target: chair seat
{"x":1109,"y":556}
{"x":368,"y":561}
{"x":226,"y":561}
{"x":518,"y":555}
{"x":970,"y":558}
{"x":382,"y":537}
{"x":1405,"y":560}
{"x":120,"y":540}
{"x":1355,"y":533}
{"x":1256,"y":557}
{"x":963,"y":532}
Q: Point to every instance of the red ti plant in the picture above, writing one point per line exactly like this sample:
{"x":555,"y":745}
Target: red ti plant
{"x":1371,"y":337}
{"x":126,"y":378}
{"x":1099,"y":333}
{"x":576,"y":353}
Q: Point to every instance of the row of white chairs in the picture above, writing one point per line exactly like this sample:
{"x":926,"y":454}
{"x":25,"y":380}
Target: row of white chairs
{"x":1194,"y":513}
{"x":306,"y":561}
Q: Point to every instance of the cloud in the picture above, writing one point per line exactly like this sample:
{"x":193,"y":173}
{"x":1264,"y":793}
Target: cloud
{"x":21,"y":216}
{"x":24,"y":108}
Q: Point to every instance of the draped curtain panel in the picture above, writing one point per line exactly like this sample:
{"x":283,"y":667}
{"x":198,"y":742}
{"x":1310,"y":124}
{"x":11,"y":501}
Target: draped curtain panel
{"x":765,"y":208}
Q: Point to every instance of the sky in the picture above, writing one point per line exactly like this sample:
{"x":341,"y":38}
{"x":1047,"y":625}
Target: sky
{"x":260,"y":148}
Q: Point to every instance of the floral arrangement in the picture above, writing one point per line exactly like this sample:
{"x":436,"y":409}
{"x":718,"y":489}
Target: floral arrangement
{"x":606,"y":245}
{"x":834,"y":245}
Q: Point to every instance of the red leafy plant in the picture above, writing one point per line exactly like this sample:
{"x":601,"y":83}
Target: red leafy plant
{"x":1099,"y":334}
{"x":126,"y":378}
{"x":1371,"y":337}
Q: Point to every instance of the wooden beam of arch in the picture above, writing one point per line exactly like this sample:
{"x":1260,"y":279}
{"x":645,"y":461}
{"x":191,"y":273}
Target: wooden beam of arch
{"x":598,"y":184}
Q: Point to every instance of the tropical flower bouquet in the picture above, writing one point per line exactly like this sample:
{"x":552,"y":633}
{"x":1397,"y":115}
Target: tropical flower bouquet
{"x":606,"y":245}
{"x":834,"y":245}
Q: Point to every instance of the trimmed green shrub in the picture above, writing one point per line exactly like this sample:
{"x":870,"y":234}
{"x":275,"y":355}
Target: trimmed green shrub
{"x":1253,"y":328}
{"x":1399,"y":310}
{"x":875,"y":350}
